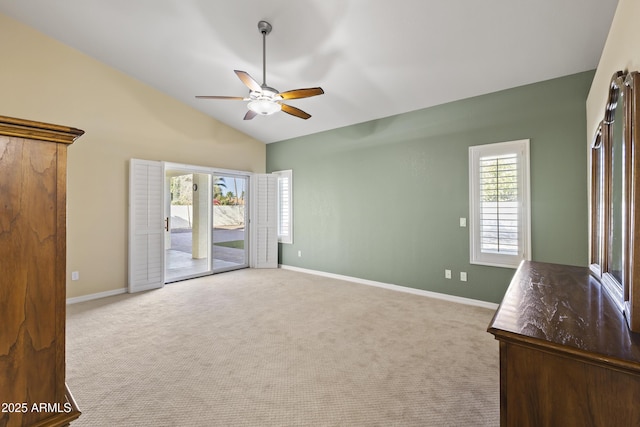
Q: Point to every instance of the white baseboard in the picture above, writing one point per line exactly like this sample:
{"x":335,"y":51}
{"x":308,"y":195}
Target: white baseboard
{"x":437,"y":295}
{"x":96,"y":296}
{"x":430,"y":294}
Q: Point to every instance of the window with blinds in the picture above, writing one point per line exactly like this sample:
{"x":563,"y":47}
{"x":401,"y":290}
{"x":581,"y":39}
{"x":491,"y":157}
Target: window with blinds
{"x":285,"y":211}
{"x":499,"y":200}
{"x":499,"y":204}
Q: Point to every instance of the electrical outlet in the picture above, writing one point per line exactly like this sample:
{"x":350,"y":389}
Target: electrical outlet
{"x":463,"y":222}
{"x":299,"y":254}
{"x":447,"y":274}
{"x":463,"y":276}
{"x":75,"y":275}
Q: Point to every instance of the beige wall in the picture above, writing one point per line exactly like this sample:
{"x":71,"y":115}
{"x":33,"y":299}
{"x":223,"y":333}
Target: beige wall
{"x":44,"y":80}
{"x":621,"y":52}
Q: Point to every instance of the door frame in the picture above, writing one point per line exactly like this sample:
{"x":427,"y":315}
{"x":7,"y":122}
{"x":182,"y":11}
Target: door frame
{"x":215,"y":172}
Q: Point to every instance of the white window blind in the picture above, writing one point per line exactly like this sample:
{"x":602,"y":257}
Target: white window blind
{"x":499,"y":175}
{"x":285,"y":208}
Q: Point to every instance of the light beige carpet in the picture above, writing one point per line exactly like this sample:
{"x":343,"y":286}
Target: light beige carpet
{"x":281,"y":348}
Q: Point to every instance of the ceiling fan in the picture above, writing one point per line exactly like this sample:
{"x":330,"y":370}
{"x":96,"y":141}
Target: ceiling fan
{"x":265,"y":100}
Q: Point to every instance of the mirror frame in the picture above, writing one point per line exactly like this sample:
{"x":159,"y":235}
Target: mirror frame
{"x":624,"y":95}
{"x":596,"y":221}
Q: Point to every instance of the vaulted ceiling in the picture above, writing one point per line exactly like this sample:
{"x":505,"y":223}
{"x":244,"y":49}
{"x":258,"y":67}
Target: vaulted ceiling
{"x":373,"y":58}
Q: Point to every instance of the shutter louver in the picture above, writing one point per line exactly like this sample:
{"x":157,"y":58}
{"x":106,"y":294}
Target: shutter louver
{"x":499,"y":221}
{"x":284,"y":206}
{"x":264,"y":221}
{"x":146,"y":233}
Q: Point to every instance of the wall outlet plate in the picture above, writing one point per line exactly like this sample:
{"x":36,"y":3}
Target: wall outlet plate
{"x":447,"y":274}
{"x":463,"y":276}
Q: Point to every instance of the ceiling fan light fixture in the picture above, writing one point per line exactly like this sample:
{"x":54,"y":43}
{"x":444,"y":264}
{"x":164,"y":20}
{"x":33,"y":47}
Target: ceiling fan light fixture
{"x":264,"y":107}
{"x":265,"y":100}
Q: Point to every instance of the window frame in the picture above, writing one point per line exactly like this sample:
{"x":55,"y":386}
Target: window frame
{"x":282,"y":175}
{"x":521,"y":149}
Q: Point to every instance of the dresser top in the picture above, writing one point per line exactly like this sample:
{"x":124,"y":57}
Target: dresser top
{"x":564,"y":309}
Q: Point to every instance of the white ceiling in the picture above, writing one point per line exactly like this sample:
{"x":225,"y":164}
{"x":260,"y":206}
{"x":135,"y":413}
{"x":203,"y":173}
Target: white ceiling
{"x":373,"y":58}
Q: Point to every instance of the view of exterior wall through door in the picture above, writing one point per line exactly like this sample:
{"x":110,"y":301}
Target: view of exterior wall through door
{"x":229,"y":235}
{"x":188,"y":215}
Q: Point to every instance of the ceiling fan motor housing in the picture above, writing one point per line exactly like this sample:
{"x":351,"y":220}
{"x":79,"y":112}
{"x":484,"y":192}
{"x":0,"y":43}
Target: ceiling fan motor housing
{"x":265,"y":102}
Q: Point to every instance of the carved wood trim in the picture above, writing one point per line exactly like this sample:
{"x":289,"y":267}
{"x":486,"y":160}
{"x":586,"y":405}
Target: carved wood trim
{"x":20,"y":128}
{"x":612,"y":99}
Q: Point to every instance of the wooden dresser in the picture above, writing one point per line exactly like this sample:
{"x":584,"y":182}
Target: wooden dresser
{"x":32,"y":274}
{"x":567,"y":357}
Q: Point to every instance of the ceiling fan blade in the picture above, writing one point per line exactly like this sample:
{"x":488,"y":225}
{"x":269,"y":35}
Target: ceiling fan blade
{"x":238,"y":98}
{"x":250,"y":115}
{"x":301,"y":93}
{"x":294,"y":111}
{"x":248,"y":80}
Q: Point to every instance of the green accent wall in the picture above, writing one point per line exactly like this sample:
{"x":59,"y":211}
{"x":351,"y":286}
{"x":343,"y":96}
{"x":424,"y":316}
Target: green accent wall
{"x":381,"y":200}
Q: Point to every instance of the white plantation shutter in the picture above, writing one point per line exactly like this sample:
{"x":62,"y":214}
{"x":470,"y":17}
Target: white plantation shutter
{"x":499,"y":203}
{"x":285,"y":208}
{"x":146,"y":226}
{"x":499,"y":225}
{"x":264,"y":221}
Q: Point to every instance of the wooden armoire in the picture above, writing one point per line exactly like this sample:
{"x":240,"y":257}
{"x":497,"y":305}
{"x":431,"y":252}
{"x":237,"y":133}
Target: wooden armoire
{"x":33,"y":168}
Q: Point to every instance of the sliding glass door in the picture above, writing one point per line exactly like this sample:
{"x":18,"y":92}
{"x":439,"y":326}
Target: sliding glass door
{"x":205,"y":221}
{"x":229,"y":232}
